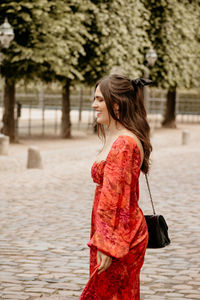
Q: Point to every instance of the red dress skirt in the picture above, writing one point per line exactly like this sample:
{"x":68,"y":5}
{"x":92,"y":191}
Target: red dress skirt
{"x":118,"y":226}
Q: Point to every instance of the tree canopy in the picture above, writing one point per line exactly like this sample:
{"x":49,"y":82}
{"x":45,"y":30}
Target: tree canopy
{"x":173,"y":30}
{"x":48,"y":34}
{"x":82,"y":40}
{"x":119,"y":39}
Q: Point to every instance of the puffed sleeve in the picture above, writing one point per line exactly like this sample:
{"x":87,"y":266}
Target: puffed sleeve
{"x":112,"y":235}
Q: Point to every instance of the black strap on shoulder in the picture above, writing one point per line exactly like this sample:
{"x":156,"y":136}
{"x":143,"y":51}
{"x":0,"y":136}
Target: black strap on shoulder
{"x":154,"y":212}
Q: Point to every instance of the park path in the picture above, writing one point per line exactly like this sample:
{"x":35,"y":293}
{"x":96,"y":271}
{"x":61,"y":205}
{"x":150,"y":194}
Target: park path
{"x":45,"y":218}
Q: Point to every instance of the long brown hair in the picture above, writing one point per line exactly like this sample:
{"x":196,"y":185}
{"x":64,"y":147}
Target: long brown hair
{"x":132,"y":113}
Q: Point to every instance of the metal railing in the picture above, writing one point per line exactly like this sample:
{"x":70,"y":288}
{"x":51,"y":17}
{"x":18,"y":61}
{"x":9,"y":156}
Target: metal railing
{"x":41,"y":113}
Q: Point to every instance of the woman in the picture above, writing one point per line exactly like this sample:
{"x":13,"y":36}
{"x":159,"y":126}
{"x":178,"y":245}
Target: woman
{"x":119,"y":234}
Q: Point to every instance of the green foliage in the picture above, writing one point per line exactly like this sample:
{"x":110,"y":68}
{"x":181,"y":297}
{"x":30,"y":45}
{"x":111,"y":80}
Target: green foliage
{"x":82,"y":40}
{"x":49,"y":37}
{"x":130,"y":40}
{"x":118,"y":39}
{"x":75,"y":40}
{"x":174,"y":33}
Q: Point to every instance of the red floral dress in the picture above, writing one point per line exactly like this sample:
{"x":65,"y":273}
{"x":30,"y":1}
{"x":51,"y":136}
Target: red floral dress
{"x":118,"y":226}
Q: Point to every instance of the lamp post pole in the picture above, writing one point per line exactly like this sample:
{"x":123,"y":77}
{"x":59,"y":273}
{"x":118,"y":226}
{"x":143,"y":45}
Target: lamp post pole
{"x":151,"y":57}
{"x":6,"y":36}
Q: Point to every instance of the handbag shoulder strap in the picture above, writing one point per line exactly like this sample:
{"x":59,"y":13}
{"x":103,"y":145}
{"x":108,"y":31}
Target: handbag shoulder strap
{"x":154,"y":212}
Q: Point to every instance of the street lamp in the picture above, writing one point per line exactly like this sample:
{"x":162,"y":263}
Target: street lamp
{"x":151,"y":57}
{"x":6,"y":36}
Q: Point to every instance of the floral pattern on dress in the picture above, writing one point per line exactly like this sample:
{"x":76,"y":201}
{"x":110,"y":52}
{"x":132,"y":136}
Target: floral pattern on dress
{"x":118,"y":226}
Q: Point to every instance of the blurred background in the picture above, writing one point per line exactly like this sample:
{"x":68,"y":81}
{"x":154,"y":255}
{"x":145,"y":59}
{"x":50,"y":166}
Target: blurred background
{"x":51,"y":54}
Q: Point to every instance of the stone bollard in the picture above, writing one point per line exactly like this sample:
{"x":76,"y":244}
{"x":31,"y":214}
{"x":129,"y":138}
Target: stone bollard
{"x":185,"y":137}
{"x":34,"y":160}
{"x":4,"y":143}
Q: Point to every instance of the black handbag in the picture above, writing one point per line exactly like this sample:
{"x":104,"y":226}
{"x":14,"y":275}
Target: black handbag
{"x":157,"y":227}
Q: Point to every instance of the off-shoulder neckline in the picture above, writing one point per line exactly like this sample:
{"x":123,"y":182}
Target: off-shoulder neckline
{"x":123,"y":135}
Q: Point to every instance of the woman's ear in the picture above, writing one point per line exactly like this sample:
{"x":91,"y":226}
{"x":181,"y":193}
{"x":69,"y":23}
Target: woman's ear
{"x":116,"y":107}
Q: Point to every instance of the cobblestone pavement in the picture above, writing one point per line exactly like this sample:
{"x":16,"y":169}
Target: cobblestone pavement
{"x":45,"y":218}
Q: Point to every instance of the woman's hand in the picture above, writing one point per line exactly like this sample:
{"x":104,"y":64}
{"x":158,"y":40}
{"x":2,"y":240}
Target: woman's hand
{"x":104,"y":261}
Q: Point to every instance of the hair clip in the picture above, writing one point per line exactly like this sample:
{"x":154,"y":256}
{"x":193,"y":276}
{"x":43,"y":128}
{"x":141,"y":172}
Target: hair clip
{"x":140,"y":82}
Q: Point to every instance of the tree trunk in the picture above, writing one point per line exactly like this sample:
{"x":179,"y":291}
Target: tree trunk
{"x":66,"y":124}
{"x":9,"y":110}
{"x":170,"y":111}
